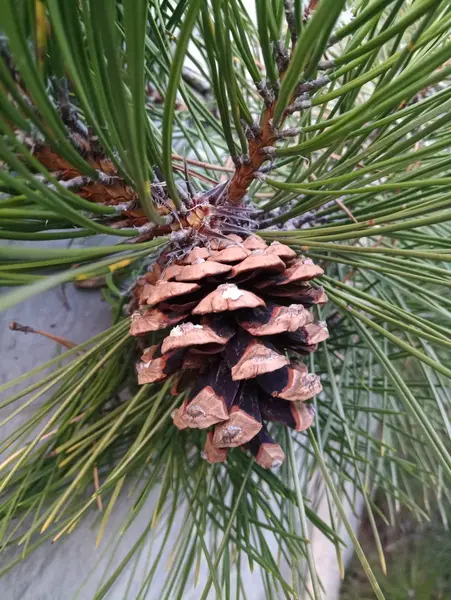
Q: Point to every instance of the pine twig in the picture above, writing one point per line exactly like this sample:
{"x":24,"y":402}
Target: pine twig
{"x":14,"y":326}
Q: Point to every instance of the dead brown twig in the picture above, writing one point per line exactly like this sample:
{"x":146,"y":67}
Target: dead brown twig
{"x":14,"y":326}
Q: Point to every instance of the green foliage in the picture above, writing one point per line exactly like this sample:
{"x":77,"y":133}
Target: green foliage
{"x":418,"y":565}
{"x":363,"y":188}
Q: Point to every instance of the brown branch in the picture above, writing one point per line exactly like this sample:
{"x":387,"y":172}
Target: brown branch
{"x":263,"y":137}
{"x":244,"y":173}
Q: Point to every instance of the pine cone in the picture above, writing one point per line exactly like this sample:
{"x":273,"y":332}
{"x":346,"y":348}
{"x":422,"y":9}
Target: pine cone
{"x":235,"y":310}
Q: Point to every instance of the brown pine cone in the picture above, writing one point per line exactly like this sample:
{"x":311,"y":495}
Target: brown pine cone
{"x":234,"y":310}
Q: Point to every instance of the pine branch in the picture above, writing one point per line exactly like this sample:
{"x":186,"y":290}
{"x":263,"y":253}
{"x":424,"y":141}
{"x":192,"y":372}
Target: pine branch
{"x":104,"y":130}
